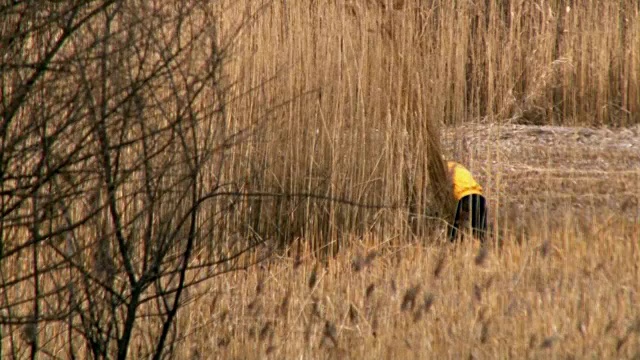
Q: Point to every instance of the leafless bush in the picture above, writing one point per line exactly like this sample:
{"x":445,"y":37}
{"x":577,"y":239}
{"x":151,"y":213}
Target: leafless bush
{"x":113,"y":144}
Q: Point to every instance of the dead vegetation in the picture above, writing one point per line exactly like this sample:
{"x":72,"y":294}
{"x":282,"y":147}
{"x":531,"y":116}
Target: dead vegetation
{"x":374,"y":81}
{"x":302,"y":103}
{"x":551,"y":171}
{"x":569,"y":295}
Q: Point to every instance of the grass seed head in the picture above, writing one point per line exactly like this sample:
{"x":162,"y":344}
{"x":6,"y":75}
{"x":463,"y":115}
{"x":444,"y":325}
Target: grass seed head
{"x":357,"y":264}
{"x":353,"y":314}
{"x":440,"y":264}
{"x":489,"y":282}
{"x":424,"y":308}
{"x":481,"y":258}
{"x":374,"y":327}
{"x":260,"y":285}
{"x":284,"y":305}
{"x":330,"y":333}
{"x":635,"y":326}
{"x":621,"y":341}
{"x":315,"y":307}
{"x":484,"y":332}
{"x":214,"y":302}
{"x":265,"y":331}
{"x":313,"y":278}
{"x":370,"y":257}
{"x":610,"y":326}
{"x":477,"y":292}
{"x":369,"y":290}
{"x":417,"y":315}
{"x":482,"y":314}
{"x":308,"y":329}
{"x":409,"y":299}
{"x":254,"y":306}
{"x":545,"y":248}
{"x":548,"y":342}
{"x":30,"y":332}
{"x":429,"y":298}
{"x":223,"y":341}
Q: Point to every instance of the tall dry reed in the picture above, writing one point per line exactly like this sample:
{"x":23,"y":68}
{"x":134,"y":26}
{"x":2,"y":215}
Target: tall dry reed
{"x":350,"y":95}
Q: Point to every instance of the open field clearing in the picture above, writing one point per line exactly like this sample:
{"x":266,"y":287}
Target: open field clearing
{"x":546,"y":172}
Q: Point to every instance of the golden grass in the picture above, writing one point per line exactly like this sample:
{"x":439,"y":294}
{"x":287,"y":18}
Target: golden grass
{"x":375,"y":81}
{"x":362,"y":87}
{"x":347,"y":99}
{"x":572,"y":294}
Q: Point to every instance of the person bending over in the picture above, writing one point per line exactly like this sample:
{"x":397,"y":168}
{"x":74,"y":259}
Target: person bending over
{"x":471,"y":206}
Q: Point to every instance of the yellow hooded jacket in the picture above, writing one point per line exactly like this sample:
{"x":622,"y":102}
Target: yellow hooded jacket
{"x":463,"y":182}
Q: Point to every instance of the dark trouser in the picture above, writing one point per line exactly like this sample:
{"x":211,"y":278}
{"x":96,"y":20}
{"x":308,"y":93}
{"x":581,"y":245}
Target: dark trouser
{"x":471,"y":208}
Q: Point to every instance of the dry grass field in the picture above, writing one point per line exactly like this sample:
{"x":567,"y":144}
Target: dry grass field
{"x":376,"y":80}
{"x":363,"y":88}
{"x":355,"y":100}
{"x":571,"y":295}
{"x":548,"y":172}
{"x":564,"y":283}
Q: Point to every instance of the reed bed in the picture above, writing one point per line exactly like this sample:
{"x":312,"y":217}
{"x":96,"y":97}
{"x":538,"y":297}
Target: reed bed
{"x":355,"y":103}
{"x":351,"y":96}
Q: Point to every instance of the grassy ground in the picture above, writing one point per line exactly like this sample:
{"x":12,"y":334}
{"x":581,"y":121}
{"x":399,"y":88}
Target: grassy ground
{"x":571,"y":294}
{"x":564,"y":284}
{"x":545,"y":172}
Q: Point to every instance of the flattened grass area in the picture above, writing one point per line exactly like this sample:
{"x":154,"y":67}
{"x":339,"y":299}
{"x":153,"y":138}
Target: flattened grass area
{"x":545,"y":172}
{"x":563,"y":284}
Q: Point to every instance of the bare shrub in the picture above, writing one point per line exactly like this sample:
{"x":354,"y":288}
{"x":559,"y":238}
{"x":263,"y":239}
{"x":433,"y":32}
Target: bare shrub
{"x":112,"y":172}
